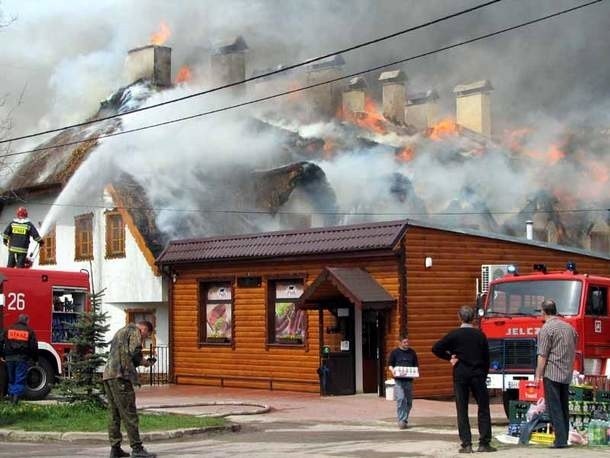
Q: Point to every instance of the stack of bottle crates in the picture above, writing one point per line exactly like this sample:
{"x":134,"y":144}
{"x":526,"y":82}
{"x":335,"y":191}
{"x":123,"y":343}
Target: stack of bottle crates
{"x":589,"y":406}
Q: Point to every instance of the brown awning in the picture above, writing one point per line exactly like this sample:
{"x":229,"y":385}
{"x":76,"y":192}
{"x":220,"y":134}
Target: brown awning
{"x":353,"y":283}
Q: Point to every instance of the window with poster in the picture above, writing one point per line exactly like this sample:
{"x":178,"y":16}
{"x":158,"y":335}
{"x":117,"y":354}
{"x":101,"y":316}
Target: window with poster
{"x":135,"y":315}
{"x":216,"y":313}
{"x":286,"y":325}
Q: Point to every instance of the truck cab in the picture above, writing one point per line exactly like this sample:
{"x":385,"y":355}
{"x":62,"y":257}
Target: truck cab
{"x":54,"y":301}
{"x":511,"y":319}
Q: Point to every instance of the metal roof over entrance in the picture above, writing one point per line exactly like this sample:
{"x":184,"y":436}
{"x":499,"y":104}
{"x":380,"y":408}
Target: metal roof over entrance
{"x":354,"y":283}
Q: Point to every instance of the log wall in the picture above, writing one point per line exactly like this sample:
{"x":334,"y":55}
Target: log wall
{"x":250,"y":361}
{"x":435,"y":295}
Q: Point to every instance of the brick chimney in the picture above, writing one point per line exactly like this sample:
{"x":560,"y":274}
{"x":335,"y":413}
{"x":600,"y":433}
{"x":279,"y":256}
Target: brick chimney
{"x":353,"y":98}
{"x":228,"y":63}
{"x":421,"y":111}
{"x":150,"y":62}
{"x":326,"y":99}
{"x":473,"y":109}
{"x":393,"y":95}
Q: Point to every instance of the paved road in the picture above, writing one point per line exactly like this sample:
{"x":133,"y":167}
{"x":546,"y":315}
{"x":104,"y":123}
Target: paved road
{"x":280,"y":439}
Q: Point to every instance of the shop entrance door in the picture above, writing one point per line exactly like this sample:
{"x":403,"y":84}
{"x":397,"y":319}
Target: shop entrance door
{"x":340,"y":360}
{"x":370,"y":351}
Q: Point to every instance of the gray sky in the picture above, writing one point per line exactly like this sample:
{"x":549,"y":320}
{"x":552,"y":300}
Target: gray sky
{"x":67,"y":56}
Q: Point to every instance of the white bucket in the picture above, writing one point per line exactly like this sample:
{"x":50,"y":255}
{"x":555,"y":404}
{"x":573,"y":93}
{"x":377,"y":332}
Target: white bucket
{"x":389,"y":390}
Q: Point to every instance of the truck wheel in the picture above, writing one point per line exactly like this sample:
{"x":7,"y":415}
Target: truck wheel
{"x":39,"y":380}
{"x":507,"y":396}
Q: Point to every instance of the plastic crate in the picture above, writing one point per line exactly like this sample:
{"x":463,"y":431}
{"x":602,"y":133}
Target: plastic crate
{"x":581,"y":392}
{"x":542,"y":438}
{"x":530,"y":390}
{"x":517,"y":411}
{"x":602,"y":396}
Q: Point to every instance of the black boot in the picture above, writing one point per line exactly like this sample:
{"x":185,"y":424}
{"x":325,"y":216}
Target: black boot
{"x":140,"y":452}
{"x":118,"y":452}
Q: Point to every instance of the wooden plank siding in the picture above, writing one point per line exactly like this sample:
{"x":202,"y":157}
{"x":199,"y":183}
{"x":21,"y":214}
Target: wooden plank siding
{"x":250,"y":361}
{"x":434,"y":295}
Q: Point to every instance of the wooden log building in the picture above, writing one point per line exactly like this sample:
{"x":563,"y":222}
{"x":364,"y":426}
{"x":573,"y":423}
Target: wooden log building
{"x":268,"y":310}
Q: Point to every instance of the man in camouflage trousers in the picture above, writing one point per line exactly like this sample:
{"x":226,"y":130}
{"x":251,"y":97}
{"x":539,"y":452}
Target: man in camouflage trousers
{"x":120,"y":376}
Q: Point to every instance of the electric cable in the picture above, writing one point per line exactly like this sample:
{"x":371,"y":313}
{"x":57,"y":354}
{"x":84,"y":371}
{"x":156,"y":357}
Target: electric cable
{"x":317,"y":212}
{"x":293,"y":91}
{"x":253,"y":78}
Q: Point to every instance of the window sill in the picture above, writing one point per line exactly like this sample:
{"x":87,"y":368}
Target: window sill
{"x":218,"y":342}
{"x":286,"y":344}
{"x":115,"y":256}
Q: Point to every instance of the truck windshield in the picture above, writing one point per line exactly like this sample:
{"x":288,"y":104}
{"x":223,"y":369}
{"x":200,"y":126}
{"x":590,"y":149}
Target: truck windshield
{"x":523,"y":298}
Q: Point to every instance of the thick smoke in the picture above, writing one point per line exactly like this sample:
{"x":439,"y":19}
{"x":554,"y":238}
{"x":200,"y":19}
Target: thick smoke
{"x":69,"y":58}
{"x":547,"y":77}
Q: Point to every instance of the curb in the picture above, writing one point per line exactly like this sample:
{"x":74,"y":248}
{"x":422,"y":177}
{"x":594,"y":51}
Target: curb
{"x":76,"y":436}
{"x":262,"y":408}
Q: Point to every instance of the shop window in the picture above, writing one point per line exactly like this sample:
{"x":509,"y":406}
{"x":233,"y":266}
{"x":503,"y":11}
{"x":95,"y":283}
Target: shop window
{"x":115,"y":235}
{"x":216,"y":313}
{"x":597,"y":301}
{"x":83,"y":237}
{"x":285,"y":324}
{"x":135,"y":315}
{"x":47,"y":251}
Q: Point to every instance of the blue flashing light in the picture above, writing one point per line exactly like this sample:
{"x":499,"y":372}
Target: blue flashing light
{"x":512,"y":269}
{"x":571,"y":266}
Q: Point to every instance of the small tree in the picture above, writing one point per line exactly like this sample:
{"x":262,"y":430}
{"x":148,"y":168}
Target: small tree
{"x":87,"y":356}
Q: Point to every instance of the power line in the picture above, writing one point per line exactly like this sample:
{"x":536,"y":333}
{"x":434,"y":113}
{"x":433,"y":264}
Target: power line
{"x":303,"y":88}
{"x":253,"y":78}
{"x":322,"y":213}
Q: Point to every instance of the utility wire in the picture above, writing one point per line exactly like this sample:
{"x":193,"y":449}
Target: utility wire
{"x":263,"y":75}
{"x":293,"y":91}
{"x":323,"y":213}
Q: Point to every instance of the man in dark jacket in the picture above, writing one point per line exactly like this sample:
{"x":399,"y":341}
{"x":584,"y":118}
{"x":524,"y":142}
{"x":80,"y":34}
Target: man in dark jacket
{"x":19,"y":346}
{"x":120,"y":376}
{"x":467,"y":350}
{"x":17,"y":237}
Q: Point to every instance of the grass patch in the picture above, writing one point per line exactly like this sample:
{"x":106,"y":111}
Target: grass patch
{"x":88,"y":418}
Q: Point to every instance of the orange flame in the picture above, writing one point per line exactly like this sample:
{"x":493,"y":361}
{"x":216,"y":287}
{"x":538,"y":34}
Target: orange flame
{"x":184,"y":75}
{"x":405,"y":155}
{"x":371,"y":119}
{"x":161,"y":35}
{"x":444,"y":128}
{"x":551,"y":156}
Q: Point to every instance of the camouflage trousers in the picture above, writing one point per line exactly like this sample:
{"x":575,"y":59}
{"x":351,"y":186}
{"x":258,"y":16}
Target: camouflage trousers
{"x":122,"y":408}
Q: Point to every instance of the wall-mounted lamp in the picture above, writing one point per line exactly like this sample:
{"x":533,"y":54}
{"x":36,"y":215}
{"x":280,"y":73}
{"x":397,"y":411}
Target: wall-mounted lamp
{"x":428,"y":262}
{"x":174,"y":276}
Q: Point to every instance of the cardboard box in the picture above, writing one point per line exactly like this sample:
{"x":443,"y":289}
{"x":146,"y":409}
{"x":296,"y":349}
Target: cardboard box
{"x":530,"y":390}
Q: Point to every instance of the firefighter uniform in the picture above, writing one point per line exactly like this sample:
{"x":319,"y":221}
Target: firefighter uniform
{"x":19,"y":346}
{"x":17,"y":236}
{"x":119,"y":378}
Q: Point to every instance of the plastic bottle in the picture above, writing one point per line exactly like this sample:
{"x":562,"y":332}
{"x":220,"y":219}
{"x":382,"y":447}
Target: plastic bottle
{"x":591,"y":432}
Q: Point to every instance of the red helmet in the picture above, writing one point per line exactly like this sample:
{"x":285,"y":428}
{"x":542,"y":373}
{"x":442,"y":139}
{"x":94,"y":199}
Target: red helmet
{"x":22,"y":212}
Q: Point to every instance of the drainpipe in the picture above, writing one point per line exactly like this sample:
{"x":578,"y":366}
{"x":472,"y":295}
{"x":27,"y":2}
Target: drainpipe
{"x":529,"y":229}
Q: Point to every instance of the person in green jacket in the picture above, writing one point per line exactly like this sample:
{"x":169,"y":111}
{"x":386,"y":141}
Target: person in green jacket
{"x":119,"y":378}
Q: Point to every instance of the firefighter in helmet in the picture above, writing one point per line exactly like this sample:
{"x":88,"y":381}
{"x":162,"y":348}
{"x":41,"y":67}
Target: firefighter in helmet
{"x":17,"y":237}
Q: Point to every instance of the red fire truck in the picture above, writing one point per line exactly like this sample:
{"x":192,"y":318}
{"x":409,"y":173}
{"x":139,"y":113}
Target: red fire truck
{"x":511,"y":319}
{"x":53,"y":300}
